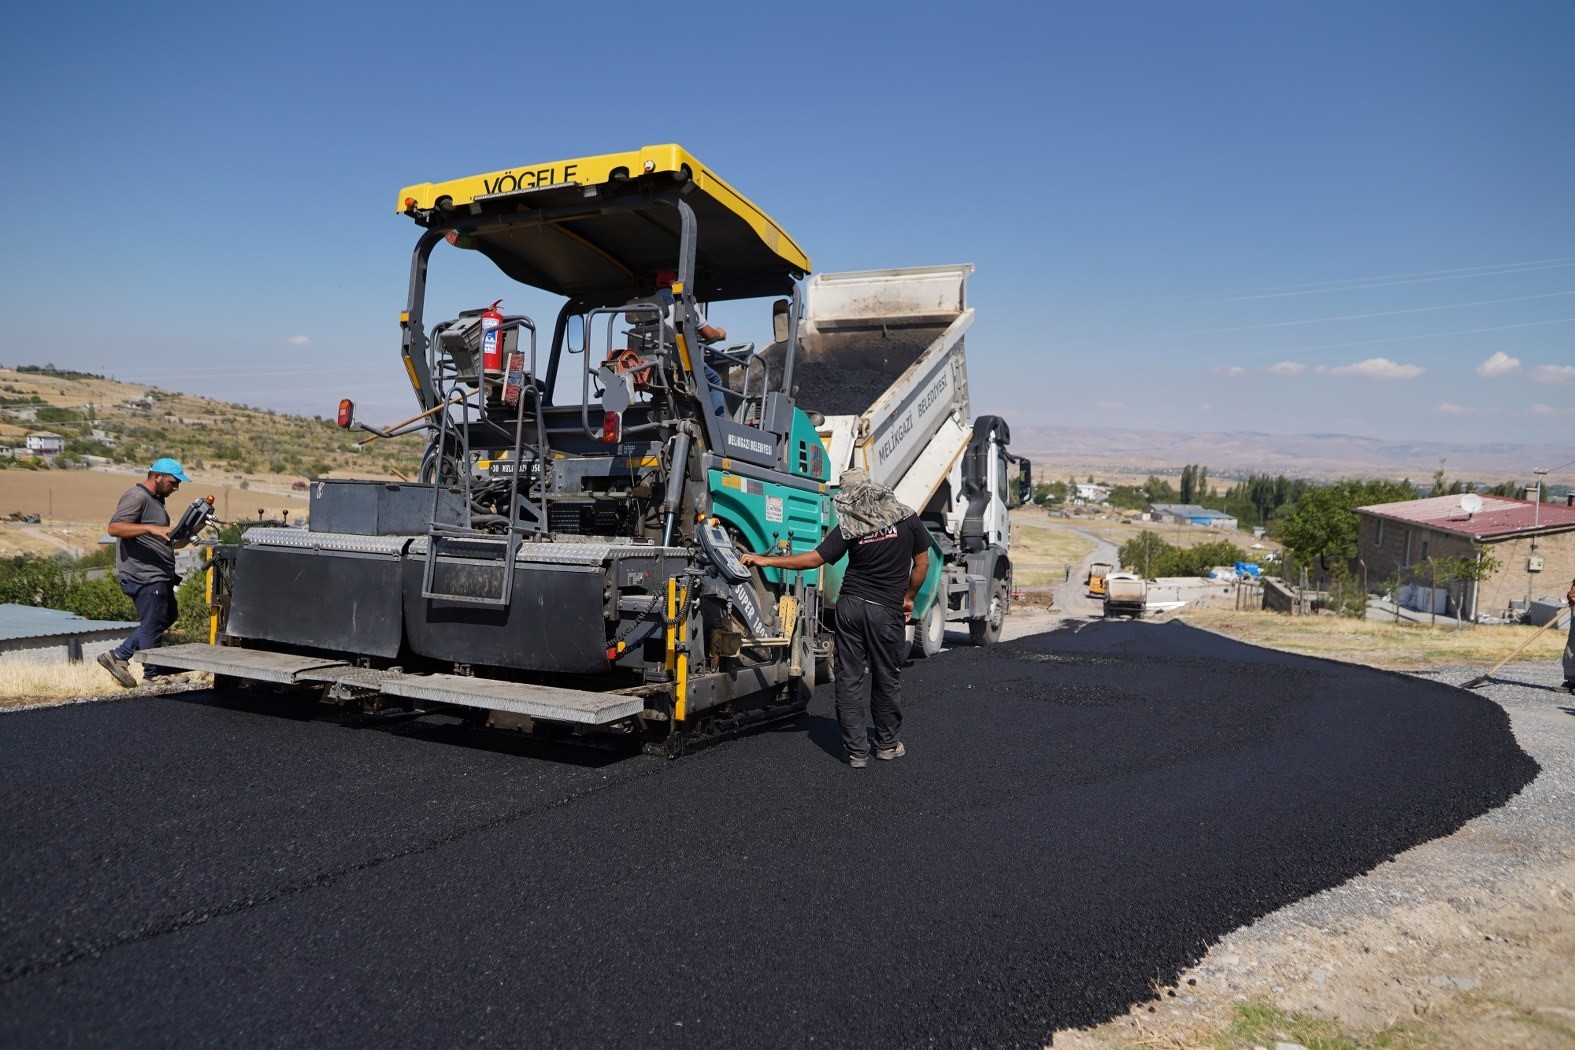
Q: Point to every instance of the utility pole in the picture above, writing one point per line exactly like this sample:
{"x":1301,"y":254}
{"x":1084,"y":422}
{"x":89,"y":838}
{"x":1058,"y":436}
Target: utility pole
{"x":1536,"y":520}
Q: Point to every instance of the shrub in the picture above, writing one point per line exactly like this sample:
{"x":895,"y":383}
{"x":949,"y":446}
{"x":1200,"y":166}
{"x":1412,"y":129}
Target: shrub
{"x":1150,"y":554}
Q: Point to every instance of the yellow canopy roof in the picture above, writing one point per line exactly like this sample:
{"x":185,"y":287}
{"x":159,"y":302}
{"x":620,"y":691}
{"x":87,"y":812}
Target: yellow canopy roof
{"x":561,"y":226}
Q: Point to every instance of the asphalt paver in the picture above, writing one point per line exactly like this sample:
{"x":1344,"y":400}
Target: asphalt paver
{"x":1078,"y":816}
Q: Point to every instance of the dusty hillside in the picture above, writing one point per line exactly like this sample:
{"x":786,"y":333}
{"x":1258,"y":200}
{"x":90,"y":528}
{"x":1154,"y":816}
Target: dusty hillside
{"x":248,"y":460}
{"x":133,"y":425}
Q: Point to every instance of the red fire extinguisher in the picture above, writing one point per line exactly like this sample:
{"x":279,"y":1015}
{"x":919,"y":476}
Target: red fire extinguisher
{"x":492,"y":342}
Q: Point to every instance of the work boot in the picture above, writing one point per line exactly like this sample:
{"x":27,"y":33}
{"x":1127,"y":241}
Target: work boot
{"x":118,"y":669}
{"x":886,"y":754}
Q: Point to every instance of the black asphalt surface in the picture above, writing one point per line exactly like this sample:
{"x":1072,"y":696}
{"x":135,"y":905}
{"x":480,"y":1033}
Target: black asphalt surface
{"x":1079,"y":814}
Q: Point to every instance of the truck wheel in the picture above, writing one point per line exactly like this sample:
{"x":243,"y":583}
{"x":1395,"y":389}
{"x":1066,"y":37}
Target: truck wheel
{"x":988,"y":630}
{"x":931,"y":632}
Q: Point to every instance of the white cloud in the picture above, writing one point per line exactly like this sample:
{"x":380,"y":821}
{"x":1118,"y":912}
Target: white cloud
{"x":1544,"y":410}
{"x":1376,"y":368}
{"x":1448,"y":409}
{"x":299,"y":340}
{"x":1500,"y":364}
{"x":1229,"y":372}
{"x":1110,"y":405}
{"x":1287,"y":368}
{"x":1553,"y":373}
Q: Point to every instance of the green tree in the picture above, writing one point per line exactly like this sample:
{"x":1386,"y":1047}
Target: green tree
{"x":1055,"y":492}
{"x":1345,"y":592}
{"x":1146,"y":553}
{"x":1194,"y":483}
{"x":1159,"y":490}
{"x":1463,"y":569}
{"x":1322,"y":524}
{"x":1442,"y":486}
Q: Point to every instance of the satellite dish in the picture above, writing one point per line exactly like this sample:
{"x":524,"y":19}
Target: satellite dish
{"x":1471,"y":503}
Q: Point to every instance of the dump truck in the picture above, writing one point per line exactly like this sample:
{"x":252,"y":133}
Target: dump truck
{"x":1097,"y":574}
{"x":566,"y":562}
{"x":881,"y":366}
{"x":1126,"y":593}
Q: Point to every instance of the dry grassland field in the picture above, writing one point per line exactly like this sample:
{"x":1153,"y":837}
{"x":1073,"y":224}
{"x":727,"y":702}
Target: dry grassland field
{"x":1118,"y":532}
{"x":76,"y":504}
{"x":1040,"y":555}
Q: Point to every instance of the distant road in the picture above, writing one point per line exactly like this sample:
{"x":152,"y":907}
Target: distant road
{"x":1072,"y":597}
{"x":1078,"y":815}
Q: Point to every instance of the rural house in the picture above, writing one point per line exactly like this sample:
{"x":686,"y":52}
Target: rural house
{"x":43,"y":443}
{"x":1533,"y":543}
{"x":1089,"y":492}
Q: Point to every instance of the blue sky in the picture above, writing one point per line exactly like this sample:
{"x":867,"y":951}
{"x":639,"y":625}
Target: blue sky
{"x":1283,"y":217}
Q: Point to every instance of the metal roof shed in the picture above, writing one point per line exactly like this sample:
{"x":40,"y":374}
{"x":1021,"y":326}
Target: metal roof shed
{"x":49,"y":635}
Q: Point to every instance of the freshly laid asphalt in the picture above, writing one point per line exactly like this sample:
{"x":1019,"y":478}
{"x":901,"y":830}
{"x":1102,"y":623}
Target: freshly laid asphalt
{"x":1079,"y":814}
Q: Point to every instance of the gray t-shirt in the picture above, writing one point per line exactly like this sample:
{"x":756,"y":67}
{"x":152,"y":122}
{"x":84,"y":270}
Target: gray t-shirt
{"x":143,"y":559}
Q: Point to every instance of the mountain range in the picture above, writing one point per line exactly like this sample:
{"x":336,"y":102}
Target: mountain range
{"x":1125,"y":451}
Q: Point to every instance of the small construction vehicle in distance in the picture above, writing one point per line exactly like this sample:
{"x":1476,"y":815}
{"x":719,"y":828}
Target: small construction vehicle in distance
{"x":1126,"y":593}
{"x":1097,"y":572}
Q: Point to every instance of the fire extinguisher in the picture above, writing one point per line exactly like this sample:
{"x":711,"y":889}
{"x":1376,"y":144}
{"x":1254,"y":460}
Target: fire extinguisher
{"x":492,"y":342}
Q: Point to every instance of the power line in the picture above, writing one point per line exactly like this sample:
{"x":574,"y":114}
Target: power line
{"x":1363,"y":317}
{"x":1396,"y":339}
{"x":1357,"y":283}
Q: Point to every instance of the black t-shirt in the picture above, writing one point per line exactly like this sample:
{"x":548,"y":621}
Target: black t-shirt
{"x":880,"y":563}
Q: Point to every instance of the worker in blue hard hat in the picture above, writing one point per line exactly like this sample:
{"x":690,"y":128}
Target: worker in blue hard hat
{"x":145,"y":563}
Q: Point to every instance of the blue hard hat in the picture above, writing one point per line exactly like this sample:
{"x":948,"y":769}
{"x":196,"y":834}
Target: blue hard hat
{"x":169,"y":466}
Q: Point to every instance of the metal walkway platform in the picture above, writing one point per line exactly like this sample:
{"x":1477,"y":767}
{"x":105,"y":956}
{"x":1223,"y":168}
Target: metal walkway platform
{"x":537,"y":701}
{"x":277,"y":668}
{"x":550,"y":703}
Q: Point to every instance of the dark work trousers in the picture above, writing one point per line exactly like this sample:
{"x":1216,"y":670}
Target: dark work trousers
{"x":156,"y":609}
{"x":869,"y":657}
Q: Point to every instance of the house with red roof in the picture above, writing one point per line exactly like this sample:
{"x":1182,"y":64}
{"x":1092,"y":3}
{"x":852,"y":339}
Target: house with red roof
{"x":1533,"y":544}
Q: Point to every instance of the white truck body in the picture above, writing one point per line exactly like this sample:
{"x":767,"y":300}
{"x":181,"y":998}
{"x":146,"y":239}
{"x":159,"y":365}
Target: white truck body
{"x":882,"y":362}
{"x":1126,"y":594}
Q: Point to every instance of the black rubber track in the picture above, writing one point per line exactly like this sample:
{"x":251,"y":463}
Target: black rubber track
{"x":1078,"y":814}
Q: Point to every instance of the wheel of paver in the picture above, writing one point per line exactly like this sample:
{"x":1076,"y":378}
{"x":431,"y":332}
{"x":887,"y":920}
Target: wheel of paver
{"x":930,"y":635}
{"x":988,"y":630}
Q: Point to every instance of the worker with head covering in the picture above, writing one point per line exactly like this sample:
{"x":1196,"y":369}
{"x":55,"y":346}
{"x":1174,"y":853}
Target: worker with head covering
{"x":145,"y":563}
{"x":888,"y":553}
{"x":1569,"y":646}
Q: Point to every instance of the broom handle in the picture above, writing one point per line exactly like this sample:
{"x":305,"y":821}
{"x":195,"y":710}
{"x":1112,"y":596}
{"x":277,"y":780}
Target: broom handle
{"x":1522,"y":645}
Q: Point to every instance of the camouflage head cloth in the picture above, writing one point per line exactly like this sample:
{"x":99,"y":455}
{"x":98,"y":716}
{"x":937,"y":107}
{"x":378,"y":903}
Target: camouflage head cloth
{"x":865,"y":506}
